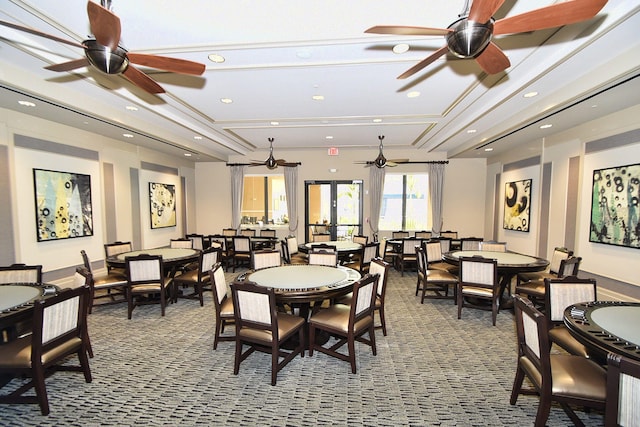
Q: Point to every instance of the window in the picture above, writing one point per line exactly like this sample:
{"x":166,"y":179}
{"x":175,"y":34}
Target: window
{"x":264,"y":199}
{"x":405,"y":203}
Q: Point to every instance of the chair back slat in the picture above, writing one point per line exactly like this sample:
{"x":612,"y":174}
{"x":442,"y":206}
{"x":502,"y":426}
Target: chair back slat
{"x":229,"y":232}
{"x":477,"y":270}
{"x":181,"y":244}
{"x":248,"y":232}
{"x":399,"y":234}
{"x":242,"y":244}
{"x":379,"y":267}
{"x":292,"y":245}
{"x":423,"y":234}
{"x":559,"y":254}
{"x":219,"y":283}
{"x":493,"y":246}
{"x":21,"y":273}
{"x":433,"y":251}
{"x":267,"y":232}
{"x":561,"y":293}
{"x":117,"y":248}
{"x":208,"y":258}
{"x":470,"y":243}
{"x":144,"y":269}
{"x":265,"y":259}
{"x":323,"y":258}
{"x":58,"y":319}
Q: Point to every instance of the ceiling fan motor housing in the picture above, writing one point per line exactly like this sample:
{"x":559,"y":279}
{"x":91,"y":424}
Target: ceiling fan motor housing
{"x":468,"y":38}
{"x":104,"y":59}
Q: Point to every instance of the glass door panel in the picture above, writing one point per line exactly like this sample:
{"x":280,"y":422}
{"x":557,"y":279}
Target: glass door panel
{"x":333,"y":207}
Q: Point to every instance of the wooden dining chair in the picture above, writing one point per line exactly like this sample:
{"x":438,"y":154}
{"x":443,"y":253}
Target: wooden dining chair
{"x":145,"y":280}
{"x":267,"y":232}
{"x":556,"y":377}
{"x":623,"y":391}
{"x":423,"y":234}
{"x":534,"y":290}
{"x":478,"y":281}
{"x":560,"y":294}
{"x":116,"y":248}
{"x":197,"y":241}
{"x":241,"y":251}
{"x":470,"y":243}
{"x":59,"y":331}
{"x":197,"y":278}
{"x":321,"y":237}
{"x":433,"y":283}
{"x":261,"y":327}
{"x":106,"y":288}
{"x":348,"y":323}
{"x":491,"y":246}
{"x":223,"y":305}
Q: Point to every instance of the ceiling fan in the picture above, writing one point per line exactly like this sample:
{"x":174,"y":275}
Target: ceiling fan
{"x":470,"y":35}
{"x":271,"y":162}
{"x":381,"y":161}
{"x":105,"y":53}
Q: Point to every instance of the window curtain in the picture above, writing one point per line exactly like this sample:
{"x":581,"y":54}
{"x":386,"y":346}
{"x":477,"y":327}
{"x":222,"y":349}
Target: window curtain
{"x":291,"y":191}
{"x":237,"y":188}
{"x":376,"y":189}
{"x":436,"y":184}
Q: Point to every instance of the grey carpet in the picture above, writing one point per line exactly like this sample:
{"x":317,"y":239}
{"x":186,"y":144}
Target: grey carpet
{"x":431,"y":369}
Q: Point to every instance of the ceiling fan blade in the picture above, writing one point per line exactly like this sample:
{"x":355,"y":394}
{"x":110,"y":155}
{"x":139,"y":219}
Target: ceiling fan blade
{"x":482,"y":10}
{"x":105,"y":26}
{"x":141,"y":80}
{"x":174,"y":65}
{"x":403,"y":30}
{"x":256,"y":164}
{"x":568,"y":12}
{"x":428,"y":60}
{"x":290,"y":164}
{"x":398,"y":161}
{"x":41,"y":34}
{"x":68,"y":66}
{"x":493,"y":60}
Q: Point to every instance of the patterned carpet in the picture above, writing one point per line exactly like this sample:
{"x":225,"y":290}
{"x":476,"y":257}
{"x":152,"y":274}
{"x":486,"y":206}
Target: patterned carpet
{"x":431,"y":370}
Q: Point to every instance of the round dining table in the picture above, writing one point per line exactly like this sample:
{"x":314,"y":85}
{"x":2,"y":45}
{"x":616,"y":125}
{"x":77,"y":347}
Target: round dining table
{"x":301,"y":285}
{"x":16,"y":305}
{"x":171,"y":257}
{"x":509,"y":265}
{"x":606,"y":326}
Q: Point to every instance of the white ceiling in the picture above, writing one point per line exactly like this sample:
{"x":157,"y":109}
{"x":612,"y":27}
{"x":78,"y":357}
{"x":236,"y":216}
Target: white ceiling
{"x":280,"y":53}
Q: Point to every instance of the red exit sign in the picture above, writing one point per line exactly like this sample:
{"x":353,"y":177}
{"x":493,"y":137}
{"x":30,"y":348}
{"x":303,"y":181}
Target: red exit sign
{"x":333,"y":151}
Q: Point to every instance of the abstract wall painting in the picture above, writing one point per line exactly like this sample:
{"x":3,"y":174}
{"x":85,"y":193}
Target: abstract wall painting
{"x":63,"y":205}
{"x":615,"y":206}
{"x":517,"y":205}
{"x":162,"y":200}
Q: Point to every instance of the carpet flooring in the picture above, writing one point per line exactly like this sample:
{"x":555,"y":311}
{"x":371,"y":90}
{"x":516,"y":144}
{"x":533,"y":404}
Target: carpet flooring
{"x":431,"y":370}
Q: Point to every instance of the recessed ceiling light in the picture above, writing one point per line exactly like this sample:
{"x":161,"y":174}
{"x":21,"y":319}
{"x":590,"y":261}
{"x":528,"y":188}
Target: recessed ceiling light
{"x":187,"y":154}
{"x":488,"y":149}
{"x":127,"y":135}
{"x":530,"y":94}
{"x":547,"y":126}
{"x":328,"y":137}
{"x":332,"y":170}
{"x":471,"y":131}
{"x":198,"y":137}
{"x":226,"y":100}
{"x":275,"y":123}
{"x":318,"y":97}
{"x":594,"y":106}
{"x":400,"y":48}
{"x":26,"y":103}
{"x":214,"y":57}
{"x":413,"y":94}
{"x":377,"y":120}
{"x":131,"y":108}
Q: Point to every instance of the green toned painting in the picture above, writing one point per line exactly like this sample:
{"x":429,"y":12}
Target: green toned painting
{"x":63,"y":205}
{"x":615,"y":206}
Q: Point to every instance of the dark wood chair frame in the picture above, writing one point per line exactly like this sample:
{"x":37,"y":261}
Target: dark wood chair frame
{"x":52,"y":352}
{"x":256,"y":340}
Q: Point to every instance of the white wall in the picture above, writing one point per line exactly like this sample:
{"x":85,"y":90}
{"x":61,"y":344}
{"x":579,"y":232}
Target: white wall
{"x":65,"y":253}
{"x":464,"y":186}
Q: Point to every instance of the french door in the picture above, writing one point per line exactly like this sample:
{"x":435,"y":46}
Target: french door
{"x":333,"y":207}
